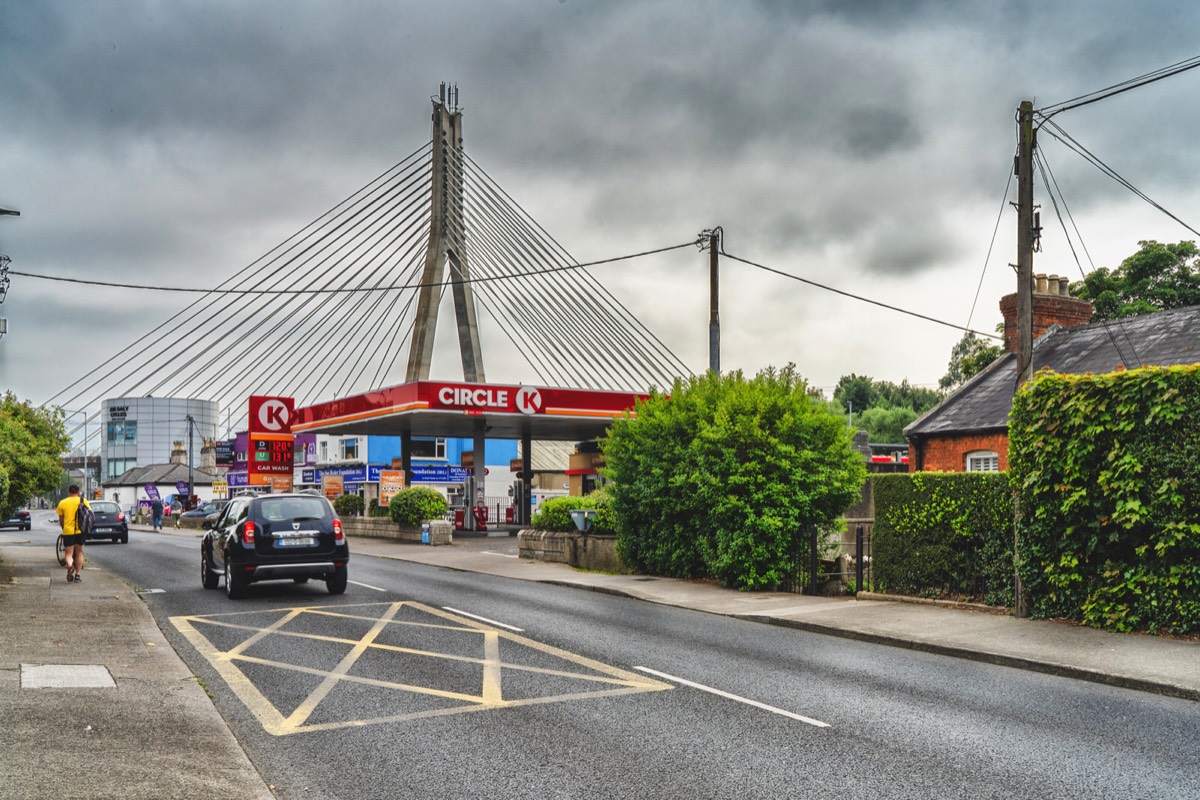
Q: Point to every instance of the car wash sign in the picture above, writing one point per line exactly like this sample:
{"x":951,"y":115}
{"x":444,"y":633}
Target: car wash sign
{"x":481,"y":398}
{"x":270,"y":454}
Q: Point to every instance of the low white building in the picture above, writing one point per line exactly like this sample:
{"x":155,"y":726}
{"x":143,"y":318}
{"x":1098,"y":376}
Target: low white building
{"x":130,"y":488}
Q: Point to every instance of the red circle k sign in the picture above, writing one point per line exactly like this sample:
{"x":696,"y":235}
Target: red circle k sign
{"x":271,"y":414}
{"x":529,"y":400}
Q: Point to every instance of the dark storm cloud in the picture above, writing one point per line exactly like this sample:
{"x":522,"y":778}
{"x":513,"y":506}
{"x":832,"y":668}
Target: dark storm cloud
{"x":868,"y":141}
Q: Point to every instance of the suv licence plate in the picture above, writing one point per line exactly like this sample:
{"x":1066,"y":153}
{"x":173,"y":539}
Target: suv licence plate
{"x":296,"y":541}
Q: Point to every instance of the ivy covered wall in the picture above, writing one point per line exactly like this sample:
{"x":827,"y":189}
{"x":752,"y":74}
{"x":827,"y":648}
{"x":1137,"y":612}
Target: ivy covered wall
{"x":1108,"y":471}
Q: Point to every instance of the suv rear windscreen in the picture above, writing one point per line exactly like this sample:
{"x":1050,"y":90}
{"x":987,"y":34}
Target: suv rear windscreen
{"x":275,"y":509}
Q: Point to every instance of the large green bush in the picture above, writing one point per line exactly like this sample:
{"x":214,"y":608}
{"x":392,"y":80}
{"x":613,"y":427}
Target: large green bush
{"x":944,"y":534}
{"x":720,"y":477}
{"x":555,"y":513}
{"x":410,"y":506}
{"x":1109,"y":514}
{"x":348,"y":505}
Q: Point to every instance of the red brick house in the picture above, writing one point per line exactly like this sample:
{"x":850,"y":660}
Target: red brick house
{"x":968,"y":431}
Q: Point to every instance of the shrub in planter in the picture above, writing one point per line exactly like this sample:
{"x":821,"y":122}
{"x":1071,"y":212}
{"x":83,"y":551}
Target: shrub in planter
{"x":376,"y":510}
{"x":410,"y":506}
{"x":555,"y":513}
{"x":348,"y":505}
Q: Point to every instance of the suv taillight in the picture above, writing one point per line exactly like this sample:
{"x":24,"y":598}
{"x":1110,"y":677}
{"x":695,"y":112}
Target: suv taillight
{"x":338,"y":536}
{"x":248,"y":532}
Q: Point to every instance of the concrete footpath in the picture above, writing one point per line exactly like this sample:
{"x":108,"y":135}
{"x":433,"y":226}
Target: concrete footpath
{"x":96,"y":686}
{"x":94,"y":702}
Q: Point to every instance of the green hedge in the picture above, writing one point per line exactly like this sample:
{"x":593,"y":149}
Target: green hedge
{"x":555,"y":513}
{"x":410,"y":506}
{"x":940,"y":534}
{"x":348,"y":505}
{"x":1108,"y":469}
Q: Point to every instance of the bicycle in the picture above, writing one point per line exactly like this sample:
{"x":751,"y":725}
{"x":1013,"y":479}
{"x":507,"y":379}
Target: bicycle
{"x":61,"y":550}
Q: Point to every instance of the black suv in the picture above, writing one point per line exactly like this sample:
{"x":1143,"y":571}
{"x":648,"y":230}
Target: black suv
{"x":273,"y":537}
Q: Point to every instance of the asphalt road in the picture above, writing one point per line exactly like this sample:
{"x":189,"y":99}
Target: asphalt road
{"x":392,"y":690}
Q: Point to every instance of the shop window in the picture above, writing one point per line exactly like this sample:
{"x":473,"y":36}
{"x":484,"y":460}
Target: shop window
{"x":121,"y":432}
{"x":119,"y":466}
{"x":429,"y":449}
{"x":983,"y":461}
{"x":349,"y":449}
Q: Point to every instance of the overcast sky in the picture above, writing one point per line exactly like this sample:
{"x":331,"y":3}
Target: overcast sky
{"x":863,"y":145}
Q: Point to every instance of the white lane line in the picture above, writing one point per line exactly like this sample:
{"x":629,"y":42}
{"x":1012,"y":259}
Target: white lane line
{"x":494,"y":553}
{"x":367,"y":586}
{"x":727,"y":695}
{"x":483,"y":619}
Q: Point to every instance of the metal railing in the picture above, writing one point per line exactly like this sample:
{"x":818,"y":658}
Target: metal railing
{"x":817,"y":560}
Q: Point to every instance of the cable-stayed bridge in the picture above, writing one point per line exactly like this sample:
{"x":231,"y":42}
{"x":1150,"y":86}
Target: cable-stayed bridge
{"x":295,"y":321}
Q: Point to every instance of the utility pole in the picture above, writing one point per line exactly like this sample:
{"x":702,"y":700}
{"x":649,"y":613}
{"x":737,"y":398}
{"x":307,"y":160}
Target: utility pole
{"x":4,"y":262}
{"x":191,"y":450}
{"x":714,"y":314}
{"x":1025,"y":240}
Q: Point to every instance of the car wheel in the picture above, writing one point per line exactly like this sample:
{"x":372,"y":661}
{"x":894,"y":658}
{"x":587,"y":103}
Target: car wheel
{"x":336,"y":583}
{"x":209,"y":577}
{"x":235,"y":582}
{"x":125,"y":537}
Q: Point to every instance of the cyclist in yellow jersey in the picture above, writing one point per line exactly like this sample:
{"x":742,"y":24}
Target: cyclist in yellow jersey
{"x":72,"y":538}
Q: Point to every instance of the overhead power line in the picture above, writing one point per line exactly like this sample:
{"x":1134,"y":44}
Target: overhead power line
{"x":1118,"y":88}
{"x":355,"y":289}
{"x":860,"y":297}
{"x":1058,"y":133}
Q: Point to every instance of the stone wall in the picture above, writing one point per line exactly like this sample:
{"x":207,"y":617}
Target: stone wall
{"x":593,"y":551}
{"x":440,"y":531}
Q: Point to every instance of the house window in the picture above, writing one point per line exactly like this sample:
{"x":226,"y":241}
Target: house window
{"x":349,"y":449}
{"x":983,"y":461}
{"x":323,"y":452}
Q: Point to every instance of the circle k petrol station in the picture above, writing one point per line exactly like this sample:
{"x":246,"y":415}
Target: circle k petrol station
{"x":436,"y":409}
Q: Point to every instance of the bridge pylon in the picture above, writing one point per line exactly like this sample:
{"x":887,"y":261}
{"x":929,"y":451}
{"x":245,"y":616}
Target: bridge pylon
{"x":447,"y":248}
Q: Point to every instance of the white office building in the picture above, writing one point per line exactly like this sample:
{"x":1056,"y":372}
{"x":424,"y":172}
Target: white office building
{"x":140,"y":431}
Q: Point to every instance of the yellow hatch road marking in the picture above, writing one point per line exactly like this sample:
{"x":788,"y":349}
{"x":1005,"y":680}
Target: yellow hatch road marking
{"x":598,"y":680}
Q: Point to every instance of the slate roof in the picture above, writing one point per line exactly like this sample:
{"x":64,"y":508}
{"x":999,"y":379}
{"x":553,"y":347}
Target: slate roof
{"x":982,"y":404}
{"x":162,"y":474}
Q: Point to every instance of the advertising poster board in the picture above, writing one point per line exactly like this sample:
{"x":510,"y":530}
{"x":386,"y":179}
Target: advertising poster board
{"x":391,"y":481}
{"x":331,"y":485}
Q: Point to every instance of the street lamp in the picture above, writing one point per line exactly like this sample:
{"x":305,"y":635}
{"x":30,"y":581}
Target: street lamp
{"x":86,"y":474}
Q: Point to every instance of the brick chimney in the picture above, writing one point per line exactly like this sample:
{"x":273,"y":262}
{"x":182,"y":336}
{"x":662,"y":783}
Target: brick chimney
{"x":1052,"y":304}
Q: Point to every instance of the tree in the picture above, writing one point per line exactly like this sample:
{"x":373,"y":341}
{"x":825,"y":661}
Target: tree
{"x":32,"y":441}
{"x":968,"y":358}
{"x":885,"y":424}
{"x":1155,"y":278}
{"x":857,"y":393}
{"x":719,"y":477}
